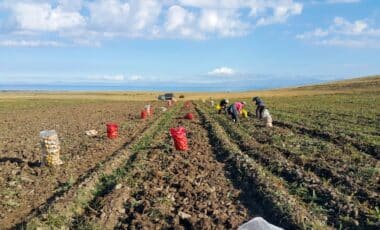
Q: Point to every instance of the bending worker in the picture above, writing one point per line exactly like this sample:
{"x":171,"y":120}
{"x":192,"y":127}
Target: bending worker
{"x":223,"y":105}
{"x":260,"y":107}
{"x":235,"y":109}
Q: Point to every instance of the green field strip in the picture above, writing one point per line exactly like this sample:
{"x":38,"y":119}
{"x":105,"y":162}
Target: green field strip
{"x":270,"y":189}
{"x":314,"y":190}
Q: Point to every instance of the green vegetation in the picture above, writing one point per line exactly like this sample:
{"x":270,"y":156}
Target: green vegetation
{"x":271,"y":189}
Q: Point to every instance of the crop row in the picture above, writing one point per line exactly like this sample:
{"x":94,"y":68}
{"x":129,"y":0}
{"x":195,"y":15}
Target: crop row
{"x":272,"y":190}
{"x":339,"y":127}
{"x":24,"y":184}
{"x":332,"y":115}
{"x":337,"y":133}
{"x":356,"y":172}
{"x":350,"y":117}
{"x":165,"y":188}
{"x":318,"y":193}
{"x":184,"y":189}
{"x":329,"y":121}
{"x":73,"y":202}
{"x":348,"y":169}
{"x":107,"y":205}
{"x":357,"y":106}
{"x":368,"y":147}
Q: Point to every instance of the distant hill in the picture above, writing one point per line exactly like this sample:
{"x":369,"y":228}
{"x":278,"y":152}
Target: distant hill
{"x":357,"y":85}
{"x":363,"y":83}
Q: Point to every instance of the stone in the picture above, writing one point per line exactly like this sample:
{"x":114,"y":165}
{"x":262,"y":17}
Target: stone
{"x":118,"y":186}
{"x":26,"y":179}
{"x":12,"y":183}
{"x":184,"y":215}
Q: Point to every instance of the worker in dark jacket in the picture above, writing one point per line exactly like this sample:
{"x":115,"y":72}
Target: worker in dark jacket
{"x":260,"y":106}
{"x":223,"y":105}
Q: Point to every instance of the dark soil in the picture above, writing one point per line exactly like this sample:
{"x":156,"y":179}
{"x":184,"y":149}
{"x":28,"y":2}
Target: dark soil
{"x":24,"y":183}
{"x":181,"y":190}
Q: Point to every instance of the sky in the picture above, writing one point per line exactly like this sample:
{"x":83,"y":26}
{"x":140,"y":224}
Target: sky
{"x":213,"y":44}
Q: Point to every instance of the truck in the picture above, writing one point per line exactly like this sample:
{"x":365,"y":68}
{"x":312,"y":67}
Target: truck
{"x":166,"y":97}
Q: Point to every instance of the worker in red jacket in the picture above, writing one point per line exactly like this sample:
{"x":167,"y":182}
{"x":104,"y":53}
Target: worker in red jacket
{"x":235,"y":109}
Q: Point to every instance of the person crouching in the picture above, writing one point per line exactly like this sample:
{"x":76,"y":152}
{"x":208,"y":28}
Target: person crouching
{"x":235,"y":109}
{"x":223,"y":105}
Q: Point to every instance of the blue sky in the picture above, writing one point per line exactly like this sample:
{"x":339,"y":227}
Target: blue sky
{"x":242,"y":43}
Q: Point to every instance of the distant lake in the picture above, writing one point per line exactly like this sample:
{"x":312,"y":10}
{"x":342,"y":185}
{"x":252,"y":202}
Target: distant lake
{"x":118,"y":88}
{"x":217,"y":87}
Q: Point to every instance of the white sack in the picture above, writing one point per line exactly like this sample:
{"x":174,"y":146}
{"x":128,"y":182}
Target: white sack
{"x":258,"y":223}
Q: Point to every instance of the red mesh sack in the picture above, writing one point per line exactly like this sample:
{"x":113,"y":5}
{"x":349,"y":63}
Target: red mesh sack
{"x":189,"y":116}
{"x":144,"y":114}
{"x":179,"y":136}
{"x":112,"y":129}
{"x":187,"y":104}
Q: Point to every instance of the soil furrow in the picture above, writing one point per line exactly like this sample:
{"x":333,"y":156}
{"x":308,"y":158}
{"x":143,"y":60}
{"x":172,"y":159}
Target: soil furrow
{"x":364,"y":190}
{"x":287,"y":210}
{"x":72,"y":202}
{"x":181,"y":190}
{"x":350,"y":184}
{"x":373,"y":150}
{"x":107,"y":206}
{"x":313,"y":189}
{"x":39,"y":186}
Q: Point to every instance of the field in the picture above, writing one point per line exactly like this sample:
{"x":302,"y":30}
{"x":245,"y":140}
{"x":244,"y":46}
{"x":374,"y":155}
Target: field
{"x":317,"y":168}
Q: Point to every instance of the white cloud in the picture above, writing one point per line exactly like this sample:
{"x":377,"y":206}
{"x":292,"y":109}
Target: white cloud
{"x":92,"y":21}
{"x":334,"y":1}
{"x":180,"y":22}
{"x":30,"y":43}
{"x":225,"y":23}
{"x":212,"y":4}
{"x":135,"y":78}
{"x":222,"y":71}
{"x":124,"y":17}
{"x":118,"y":77}
{"x":71,"y":5}
{"x":108,"y":15}
{"x":177,"y":16}
{"x":344,"y":33}
{"x":312,"y":34}
{"x":342,"y":1}
{"x":352,"y":43}
{"x":42,"y":17}
{"x":147,"y":13}
{"x":281,"y":13}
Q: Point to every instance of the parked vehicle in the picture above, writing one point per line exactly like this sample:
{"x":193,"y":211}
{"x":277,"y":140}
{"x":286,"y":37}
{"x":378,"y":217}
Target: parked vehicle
{"x":166,"y":97}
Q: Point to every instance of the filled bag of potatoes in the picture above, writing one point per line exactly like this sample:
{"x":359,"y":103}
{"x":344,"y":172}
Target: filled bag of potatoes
{"x":267,"y":118}
{"x":50,"y":148}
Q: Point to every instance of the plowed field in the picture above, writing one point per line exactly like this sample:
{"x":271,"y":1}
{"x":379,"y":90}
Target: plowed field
{"x":317,"y":168}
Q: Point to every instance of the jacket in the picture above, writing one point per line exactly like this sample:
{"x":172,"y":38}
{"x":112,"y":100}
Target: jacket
{"x":259,"y":102}
{"x":239,"y":106}
{"x":223,"y":103}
